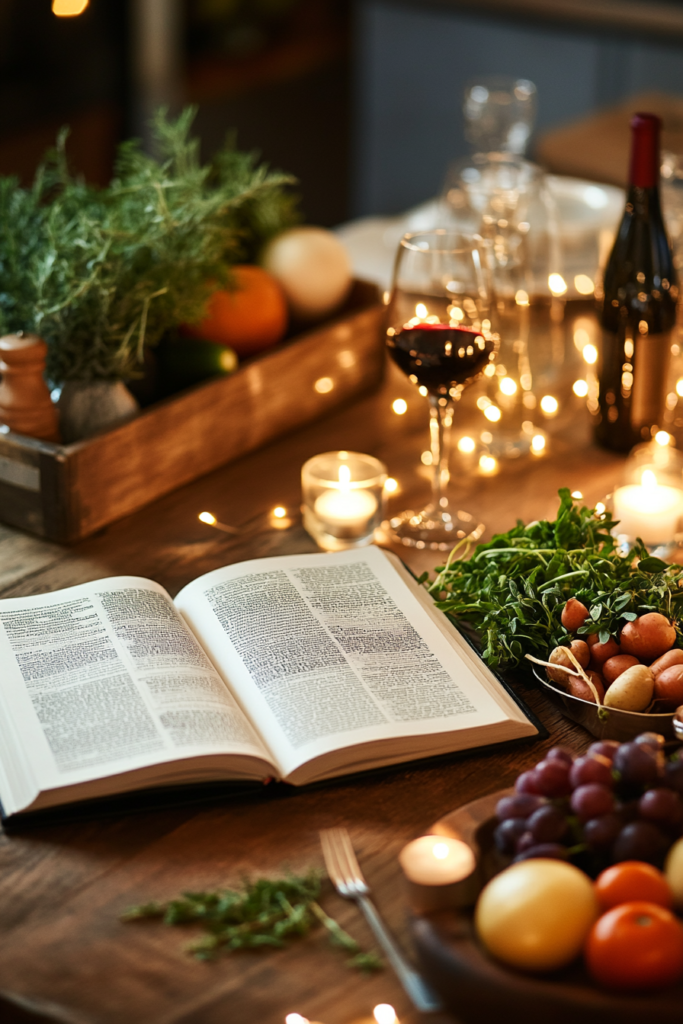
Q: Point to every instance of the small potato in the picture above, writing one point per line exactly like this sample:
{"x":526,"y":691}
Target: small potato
{"x":669,"y":686}
{"x":559,"y":656}
{"x":601,"y":652}
{"x":613,"y":667}
{"x":674,"y":657}
{"x":632,"y":690}
{"x":574,"y":614}
{"x":616,"y":666}
{"x":648,"y":637}
{"x":579,"y":688}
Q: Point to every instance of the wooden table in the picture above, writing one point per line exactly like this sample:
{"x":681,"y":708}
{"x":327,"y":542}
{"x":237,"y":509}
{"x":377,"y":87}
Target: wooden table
{"x":64,"y":953}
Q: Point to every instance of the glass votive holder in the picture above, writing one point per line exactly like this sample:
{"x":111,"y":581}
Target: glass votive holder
{"x":343,"y":496}
{"x":648,"y":500}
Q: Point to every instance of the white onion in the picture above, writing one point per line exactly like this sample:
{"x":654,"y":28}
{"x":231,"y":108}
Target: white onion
{"x":313,"y":269}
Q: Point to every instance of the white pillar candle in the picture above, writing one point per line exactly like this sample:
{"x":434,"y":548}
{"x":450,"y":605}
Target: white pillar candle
{"x":650,"y":510}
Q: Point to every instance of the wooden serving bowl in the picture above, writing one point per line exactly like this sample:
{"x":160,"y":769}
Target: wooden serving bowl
{"x":479,"y":990}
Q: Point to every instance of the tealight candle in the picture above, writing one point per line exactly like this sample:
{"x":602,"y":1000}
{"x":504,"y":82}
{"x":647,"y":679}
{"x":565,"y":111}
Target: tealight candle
{"x":650,"y":510}
{"x":344,"y":509}
{"x":440,"y":872}
{"x":342,"y":494}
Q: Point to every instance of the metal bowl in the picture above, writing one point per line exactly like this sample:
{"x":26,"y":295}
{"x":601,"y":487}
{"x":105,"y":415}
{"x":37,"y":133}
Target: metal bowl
{"x":609,"y":723}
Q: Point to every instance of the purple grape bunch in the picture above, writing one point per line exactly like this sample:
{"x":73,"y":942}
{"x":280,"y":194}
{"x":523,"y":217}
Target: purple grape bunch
{"x":618,"y":801}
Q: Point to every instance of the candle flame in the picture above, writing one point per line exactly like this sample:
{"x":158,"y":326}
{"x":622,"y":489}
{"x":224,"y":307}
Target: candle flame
{"x":648,"y":480}
{"x":206,"y":517}
{"x":296,"y":1018}
{"x":440,"y":850}
{"x":344,"y":477}
{"x":384,"y":1013}
{"x":421,"y":310}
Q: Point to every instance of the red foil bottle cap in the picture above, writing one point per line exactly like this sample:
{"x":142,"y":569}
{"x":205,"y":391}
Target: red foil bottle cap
{"x":645,"y":130}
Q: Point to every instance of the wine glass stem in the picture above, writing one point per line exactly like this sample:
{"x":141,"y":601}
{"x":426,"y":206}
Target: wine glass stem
{"x":440,"y":423}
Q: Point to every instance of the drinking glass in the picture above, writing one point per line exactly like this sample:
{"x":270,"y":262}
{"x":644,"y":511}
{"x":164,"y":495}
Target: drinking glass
{"x":499,"y":113}
{"x":440,"y":333}
{"x":506,"y":200}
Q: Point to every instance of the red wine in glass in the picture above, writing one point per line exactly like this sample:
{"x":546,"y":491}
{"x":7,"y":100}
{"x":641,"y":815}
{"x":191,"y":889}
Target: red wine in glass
{"x":439,"y":333}
{"x":440,"y":357}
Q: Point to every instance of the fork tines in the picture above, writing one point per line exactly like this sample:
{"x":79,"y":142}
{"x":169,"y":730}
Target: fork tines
{"x":340,"y":859}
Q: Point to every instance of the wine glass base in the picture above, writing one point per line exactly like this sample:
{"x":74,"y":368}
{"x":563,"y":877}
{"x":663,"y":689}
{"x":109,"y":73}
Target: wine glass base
{"x":433,"y":529}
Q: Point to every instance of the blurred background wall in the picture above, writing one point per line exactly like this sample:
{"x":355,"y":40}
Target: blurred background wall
{"x":414,"y":59}
{"x":361,"y":100}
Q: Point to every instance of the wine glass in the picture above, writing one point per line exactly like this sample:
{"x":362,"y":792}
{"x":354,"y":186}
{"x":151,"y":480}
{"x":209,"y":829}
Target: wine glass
{"x":439,"y":332}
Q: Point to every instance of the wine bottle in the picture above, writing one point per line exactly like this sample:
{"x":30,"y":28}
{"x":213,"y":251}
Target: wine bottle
{"x":638,"y":314}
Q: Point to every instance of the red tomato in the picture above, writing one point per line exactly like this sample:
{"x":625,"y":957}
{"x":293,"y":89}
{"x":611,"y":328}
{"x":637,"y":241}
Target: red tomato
{"x":636,"y":945}
{"x":632,"y":880}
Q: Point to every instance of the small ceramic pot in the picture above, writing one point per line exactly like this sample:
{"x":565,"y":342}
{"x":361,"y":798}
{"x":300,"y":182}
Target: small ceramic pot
{"x":86,"y":407}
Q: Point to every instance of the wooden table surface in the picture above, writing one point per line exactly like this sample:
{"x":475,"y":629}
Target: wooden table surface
{"x":64,"y":953}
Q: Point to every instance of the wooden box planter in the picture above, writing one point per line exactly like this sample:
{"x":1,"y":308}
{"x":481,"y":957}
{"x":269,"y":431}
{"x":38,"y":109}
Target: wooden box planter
{"x":66,"y":492}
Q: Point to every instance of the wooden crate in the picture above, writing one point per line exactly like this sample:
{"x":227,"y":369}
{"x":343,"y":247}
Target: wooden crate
{"x":66,"y":492}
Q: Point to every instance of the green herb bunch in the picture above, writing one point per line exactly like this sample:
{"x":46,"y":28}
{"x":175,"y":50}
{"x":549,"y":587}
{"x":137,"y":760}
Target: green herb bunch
{"x":99,"y":273}
{"x":512,"y":589}
{"x":266,"y":912}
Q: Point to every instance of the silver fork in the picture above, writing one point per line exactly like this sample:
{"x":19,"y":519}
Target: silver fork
{"x":347,"y":878}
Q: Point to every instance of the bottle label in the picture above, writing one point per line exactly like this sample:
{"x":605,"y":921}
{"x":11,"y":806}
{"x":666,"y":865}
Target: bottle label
{"x":632,"y":374}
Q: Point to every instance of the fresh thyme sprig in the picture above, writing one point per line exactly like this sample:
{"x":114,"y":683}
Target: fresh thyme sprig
{"x":265,"y":912}
{"x":512,"y":589}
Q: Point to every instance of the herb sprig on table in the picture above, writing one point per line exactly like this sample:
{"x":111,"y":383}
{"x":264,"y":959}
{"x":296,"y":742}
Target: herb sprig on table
{"x":265,"y":912}
{"x":512,"y":589}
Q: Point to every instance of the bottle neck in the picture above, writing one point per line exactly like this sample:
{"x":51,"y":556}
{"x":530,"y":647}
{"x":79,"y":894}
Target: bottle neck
{"x":644,"y":170}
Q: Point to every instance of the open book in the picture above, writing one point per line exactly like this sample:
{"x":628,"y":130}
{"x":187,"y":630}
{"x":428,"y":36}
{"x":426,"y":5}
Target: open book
{"x":297,"y":668}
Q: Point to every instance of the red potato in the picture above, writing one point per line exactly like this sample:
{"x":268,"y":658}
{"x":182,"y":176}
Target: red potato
{"x":674,"y":657}
{"x":613,"y":667}
{"x":601,"y":652}
{"x":648,"y":637}
{"x":579,"y":688}
{"x":669,"y":686}
{"x":574,"y":614}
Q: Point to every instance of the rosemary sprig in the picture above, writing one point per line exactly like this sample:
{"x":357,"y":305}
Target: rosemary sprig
{"x":100,"y":273}
{"x":265,"y":912}
{"x":512,"y":589}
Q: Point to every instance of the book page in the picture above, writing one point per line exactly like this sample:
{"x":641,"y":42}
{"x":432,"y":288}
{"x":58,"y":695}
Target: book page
{"x":333,"y":650}
{"x":105,"y":678}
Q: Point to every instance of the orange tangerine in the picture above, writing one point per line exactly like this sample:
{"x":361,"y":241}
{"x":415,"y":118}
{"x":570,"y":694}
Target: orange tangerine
{"x":249,"y":318}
